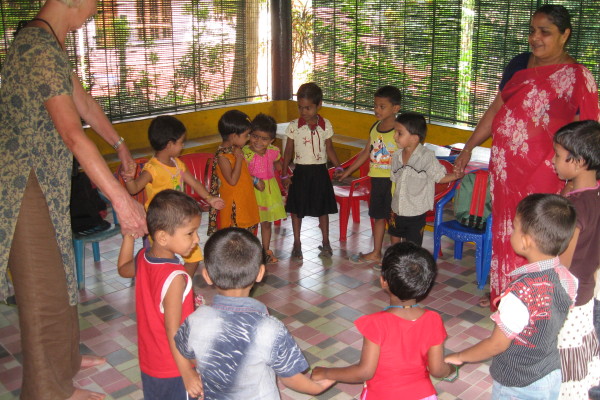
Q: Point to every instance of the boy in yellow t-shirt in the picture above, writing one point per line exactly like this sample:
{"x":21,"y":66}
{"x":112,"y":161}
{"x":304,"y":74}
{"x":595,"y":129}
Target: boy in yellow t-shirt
{"x":379,"y":150}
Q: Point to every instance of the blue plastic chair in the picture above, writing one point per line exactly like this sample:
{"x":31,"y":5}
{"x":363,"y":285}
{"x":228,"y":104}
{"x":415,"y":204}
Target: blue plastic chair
{"x":79,"y":242}
{"x":461,"y":234}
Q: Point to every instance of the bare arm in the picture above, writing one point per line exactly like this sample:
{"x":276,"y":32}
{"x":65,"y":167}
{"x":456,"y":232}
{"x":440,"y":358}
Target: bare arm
{"x":487,"y":348}
{"x":360,"y":160}
{"x":567,"y":256}
{"x":231,"y":175}
{"x":437,"y":367}
{"x":481,"y":133}
{"x":126,"y":262}
{"x":303,"y":384}
{"x":215,"y":202}
{"x":451,"y":177}
{"x":357,"y":373}
{"x":92,"y":113}
{"x":64,"y":114}
{"x":287,"y":158}
{"x":138,"y":184}
{"x":172,"y":307}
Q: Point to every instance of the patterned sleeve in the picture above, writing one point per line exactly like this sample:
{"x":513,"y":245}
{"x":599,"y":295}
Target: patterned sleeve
{"x":291,"y":129}
{"x":435,"y":170}
{"x":248,"y":154}
{"x":275,"y":153}
{"x":512,"y":315}
{"x":395,"y":171}
{"x":587,"y":92}
{"x":288,"y":358}
{"x":182,"y":341}
{"x":328,"y":130}
{"x":50,"y":71}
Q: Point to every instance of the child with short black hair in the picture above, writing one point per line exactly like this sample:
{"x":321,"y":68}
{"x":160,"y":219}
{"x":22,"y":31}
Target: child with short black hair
{"x":577,"y":161}
{"x":379,"y":150}
{"x":310,"y":191}
{"x":231,"y":179}
{"x":165,"y":170}
{"x":163,"y":294}
{"x":263,"y":159}
{"x":415,"y":171}
{"x":526,"y":362}
{"x":238,"y":347}
{"x":404,"y":343}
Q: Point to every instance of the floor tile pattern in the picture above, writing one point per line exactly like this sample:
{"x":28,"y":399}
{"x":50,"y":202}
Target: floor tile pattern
{"x":318,"y":300}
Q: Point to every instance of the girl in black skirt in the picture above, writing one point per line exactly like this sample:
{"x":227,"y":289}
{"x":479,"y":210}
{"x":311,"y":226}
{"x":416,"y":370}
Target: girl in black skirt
{"x":310,"y":192}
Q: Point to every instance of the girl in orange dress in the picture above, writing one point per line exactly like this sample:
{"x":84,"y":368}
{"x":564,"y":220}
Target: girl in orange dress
{"x":231,"y":179}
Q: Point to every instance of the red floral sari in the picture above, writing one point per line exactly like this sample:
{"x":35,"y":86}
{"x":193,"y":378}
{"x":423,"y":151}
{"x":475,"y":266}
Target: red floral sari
{"x":537,"y":102}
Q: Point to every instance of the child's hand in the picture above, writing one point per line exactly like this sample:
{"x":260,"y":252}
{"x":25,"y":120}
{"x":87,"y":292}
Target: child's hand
{"x":318,"y":374}
{"x":193,"y":383}
{"x":343,"y":176}
{"x":286,"y":182}
{"x":453,"y":359}
{"x":337,"y":174}
{"x":238,"y":153}
{"x":128,"y":171}
{"x":324,"y":383}
{"x":260,"y":185}
{"x":216,"y":202}
{"x":459,"y":174}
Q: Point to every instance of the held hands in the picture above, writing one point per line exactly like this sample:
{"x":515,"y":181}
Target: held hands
{"x":338,"y":173}
{"x":454,"y":359}
{"x":286,"y":182}
{"x":318,"y":373}
{"x":216,"y":202}
{"x":461,"y":161}
{"x":260,"y":185}
{"x":343,"y":176}
{"x":128,"y":171}
{"x":193,"y":384}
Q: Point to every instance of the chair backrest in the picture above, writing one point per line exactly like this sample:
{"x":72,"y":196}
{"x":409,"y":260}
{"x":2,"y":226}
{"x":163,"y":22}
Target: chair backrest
{"x":140,"y":162}
{"x":200,"y":166}
{"x":363,"y":170}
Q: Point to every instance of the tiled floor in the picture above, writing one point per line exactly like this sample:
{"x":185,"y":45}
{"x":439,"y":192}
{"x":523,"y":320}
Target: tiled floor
{"x":317,"y":299}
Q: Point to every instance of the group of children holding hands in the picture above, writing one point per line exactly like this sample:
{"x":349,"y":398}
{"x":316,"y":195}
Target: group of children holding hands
{"x":233,"y":349}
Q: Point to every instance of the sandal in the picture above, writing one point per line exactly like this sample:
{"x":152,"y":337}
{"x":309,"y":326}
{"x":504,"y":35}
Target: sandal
{"x":270,"y":258}
{"x":484,"y":301}
{"x":326,"y":251}
{"x":297,"y":253}
{"x":360,"y":259}
{"x":377,"y":267}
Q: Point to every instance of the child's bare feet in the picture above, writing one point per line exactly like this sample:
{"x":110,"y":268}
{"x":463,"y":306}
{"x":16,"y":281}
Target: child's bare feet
{"x":88,"y":361}
{"x":82,"y":394}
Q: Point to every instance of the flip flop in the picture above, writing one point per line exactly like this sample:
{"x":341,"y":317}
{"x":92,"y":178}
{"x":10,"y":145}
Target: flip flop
{"x":484,"y":301}
{"x":271,"y":259}
{"x":359,"y":259}
{"x":377,"y":267}
{"x":326,"y":251}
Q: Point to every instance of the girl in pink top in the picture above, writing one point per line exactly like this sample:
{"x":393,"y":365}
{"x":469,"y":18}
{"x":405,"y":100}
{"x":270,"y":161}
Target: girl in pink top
{"x":263,"y":158}
{"x":404,"y":343}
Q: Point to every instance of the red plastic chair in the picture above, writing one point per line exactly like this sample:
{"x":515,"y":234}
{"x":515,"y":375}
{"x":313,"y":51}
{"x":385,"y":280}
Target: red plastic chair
{"x":350,"y":196}
{"x":200,"y":166}
{"x":441,"y":189}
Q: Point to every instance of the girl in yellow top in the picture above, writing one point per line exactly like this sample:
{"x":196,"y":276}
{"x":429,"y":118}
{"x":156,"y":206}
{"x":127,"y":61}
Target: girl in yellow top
{"x":165,"y":171}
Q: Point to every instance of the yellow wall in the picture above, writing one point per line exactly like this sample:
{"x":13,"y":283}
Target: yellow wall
{"x":204,"y":123}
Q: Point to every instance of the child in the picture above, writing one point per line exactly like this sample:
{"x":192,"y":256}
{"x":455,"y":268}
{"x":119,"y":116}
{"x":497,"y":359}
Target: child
{"x":230,"y":176}
{"x":577,"y":159}
{"x":526,"y":362}
{"x":163,"y":294}
{"x":165,"y":171}
{"x":379,"y":150}
{"x":237,"y":345}
{"x":415,"y":170}
{"x":310,"y":192}
{"x":263,"y":158}
{"x":404,"y":343}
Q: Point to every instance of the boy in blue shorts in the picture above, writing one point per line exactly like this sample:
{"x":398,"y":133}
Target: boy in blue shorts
{"x":378,"y":151}
{"x":237,"y":346}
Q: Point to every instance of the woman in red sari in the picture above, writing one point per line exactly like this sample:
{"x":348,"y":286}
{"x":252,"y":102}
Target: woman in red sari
{"x":540,"y":91}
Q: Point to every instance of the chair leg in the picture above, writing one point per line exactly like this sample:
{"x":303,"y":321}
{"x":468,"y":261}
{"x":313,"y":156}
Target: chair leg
{"x":356,"y":211}
{"x":479,"y":264}
{"x":96,"y":250}
{"x":79,"y":248}
{"x":458,"y":250}
{"x":344,"y":216}
{"x":437,"y":244}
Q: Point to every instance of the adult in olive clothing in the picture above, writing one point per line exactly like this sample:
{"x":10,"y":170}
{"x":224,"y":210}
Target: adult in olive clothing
{"x":41,"y":106}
